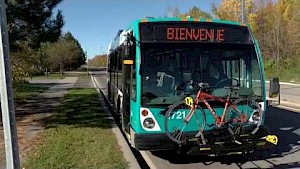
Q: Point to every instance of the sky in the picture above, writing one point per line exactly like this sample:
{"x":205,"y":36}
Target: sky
{"x":94,"y":23}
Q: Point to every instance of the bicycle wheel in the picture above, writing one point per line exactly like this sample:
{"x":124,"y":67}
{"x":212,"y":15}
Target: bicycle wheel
{"x":177,"y":126}
{"x":244,"y":116}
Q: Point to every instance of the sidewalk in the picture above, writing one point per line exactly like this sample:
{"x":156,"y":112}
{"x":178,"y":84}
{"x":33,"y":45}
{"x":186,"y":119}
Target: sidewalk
{"x":29,"y":115}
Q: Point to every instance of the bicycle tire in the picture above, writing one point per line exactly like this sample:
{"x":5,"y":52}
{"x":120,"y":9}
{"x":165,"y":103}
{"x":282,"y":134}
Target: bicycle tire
{"x":177,"y":134}
{"x":252,"y":115}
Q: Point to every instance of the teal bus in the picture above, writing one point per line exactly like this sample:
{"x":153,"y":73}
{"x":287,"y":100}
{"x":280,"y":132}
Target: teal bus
{"x":150,"y":58}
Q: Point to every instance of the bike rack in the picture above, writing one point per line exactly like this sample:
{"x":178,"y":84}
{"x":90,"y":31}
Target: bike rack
{"x":220,"y":143}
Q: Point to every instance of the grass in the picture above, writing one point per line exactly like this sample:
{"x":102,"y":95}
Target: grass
{"x":291,"y":75}
{"x":78,"y":136}
{"x":288,"y":69}
{"x":25,"y":91}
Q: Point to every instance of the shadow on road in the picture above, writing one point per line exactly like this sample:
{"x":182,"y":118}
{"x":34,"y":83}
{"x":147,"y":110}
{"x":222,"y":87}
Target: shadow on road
{"x":283,"y":123}
{"x":286,"y":125}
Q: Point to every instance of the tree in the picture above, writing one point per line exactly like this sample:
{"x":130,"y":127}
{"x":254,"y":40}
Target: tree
{"x":81,"y":57}
{"x":32,"y":21}
{"x":231,"y":10}
{"x":65,"y":54}
{"x":274,"y":23}
{"x":98,"y":61}
{"x":194,"y":12}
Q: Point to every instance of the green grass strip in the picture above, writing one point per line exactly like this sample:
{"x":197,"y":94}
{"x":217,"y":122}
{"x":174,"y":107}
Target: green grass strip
{"x":78,"y":136}
{"x":25,"y":91}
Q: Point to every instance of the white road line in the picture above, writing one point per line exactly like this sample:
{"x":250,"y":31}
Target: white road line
{"x":148,"y":159}
{"x":287,"y":83}
{"x":288,"y":108}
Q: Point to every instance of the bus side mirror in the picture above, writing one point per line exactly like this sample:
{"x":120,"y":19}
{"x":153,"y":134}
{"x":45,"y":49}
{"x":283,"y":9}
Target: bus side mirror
{"x":274,"y":90}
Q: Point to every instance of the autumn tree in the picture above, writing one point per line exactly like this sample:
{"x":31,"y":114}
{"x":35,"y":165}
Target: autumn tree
{"x":231,"y":10}
{"x":276,"y":26}
{"x":98,"y":61}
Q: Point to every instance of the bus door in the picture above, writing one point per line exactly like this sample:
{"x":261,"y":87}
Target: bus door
{"x":129,"y":82}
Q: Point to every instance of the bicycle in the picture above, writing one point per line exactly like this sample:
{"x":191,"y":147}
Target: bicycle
{"x":243,"y":115}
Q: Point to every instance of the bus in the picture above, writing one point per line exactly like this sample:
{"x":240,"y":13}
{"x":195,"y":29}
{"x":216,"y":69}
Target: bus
{"x":151,"y":57}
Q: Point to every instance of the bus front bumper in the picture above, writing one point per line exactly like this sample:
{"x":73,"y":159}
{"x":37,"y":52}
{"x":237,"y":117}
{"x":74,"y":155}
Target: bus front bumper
{"x":152,"y":142}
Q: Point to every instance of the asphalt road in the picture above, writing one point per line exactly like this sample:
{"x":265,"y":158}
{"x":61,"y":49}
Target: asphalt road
{"x":289,"y":92}
{"x":285,"y":123}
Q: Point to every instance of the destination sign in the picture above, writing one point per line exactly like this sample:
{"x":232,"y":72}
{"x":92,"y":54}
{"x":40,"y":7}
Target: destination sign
{"x":194,"y":32}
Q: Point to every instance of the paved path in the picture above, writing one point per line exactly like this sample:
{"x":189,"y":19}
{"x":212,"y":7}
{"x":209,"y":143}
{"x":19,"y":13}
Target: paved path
{"x":30,"y":114}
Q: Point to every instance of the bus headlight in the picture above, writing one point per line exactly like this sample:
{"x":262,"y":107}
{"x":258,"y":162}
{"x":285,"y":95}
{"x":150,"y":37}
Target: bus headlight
{"x":149,"y":123}
{"x":254,"y":118}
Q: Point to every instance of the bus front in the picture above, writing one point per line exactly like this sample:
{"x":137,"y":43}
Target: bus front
{"x":174,"y":53}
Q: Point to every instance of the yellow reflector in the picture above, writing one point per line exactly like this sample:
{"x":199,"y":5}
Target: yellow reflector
{"x":128,"y":62}
{"x":208,"y":20}
{"x":189,"y":101}
{"x":272,"y":139}
{"x":144,"y":20}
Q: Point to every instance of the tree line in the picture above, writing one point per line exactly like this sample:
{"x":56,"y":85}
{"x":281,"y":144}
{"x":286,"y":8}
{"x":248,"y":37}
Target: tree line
{"x":98,"y":61}
{"x":36,"y":40}
{"x":274,"y":23}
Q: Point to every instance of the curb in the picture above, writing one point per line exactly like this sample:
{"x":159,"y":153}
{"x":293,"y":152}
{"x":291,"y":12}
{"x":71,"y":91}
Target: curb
{"x":290,"y":104}
{"x":127,"y":153}
{"x":283,"y":103}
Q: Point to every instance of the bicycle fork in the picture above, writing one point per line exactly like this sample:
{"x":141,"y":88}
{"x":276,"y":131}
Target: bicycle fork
{"x":199,"y":133}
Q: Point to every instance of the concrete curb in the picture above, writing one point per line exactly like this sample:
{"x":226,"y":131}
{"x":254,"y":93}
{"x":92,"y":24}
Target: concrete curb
{"x":290,"y":104}
{"x":283,"y":103}
{"x":127,"y":153}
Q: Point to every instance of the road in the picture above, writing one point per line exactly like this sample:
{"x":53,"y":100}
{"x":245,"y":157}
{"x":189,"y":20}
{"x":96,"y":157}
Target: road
{"x":285,"y":123}
{"x":290,"y":94}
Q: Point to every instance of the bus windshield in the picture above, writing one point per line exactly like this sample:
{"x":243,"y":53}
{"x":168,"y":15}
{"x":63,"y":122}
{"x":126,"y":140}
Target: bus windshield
{"x":167,"y":70}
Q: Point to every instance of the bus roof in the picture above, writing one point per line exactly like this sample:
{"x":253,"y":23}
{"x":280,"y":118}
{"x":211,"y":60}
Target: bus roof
{"x":187,"y":19}
{"x":118,"y":41}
